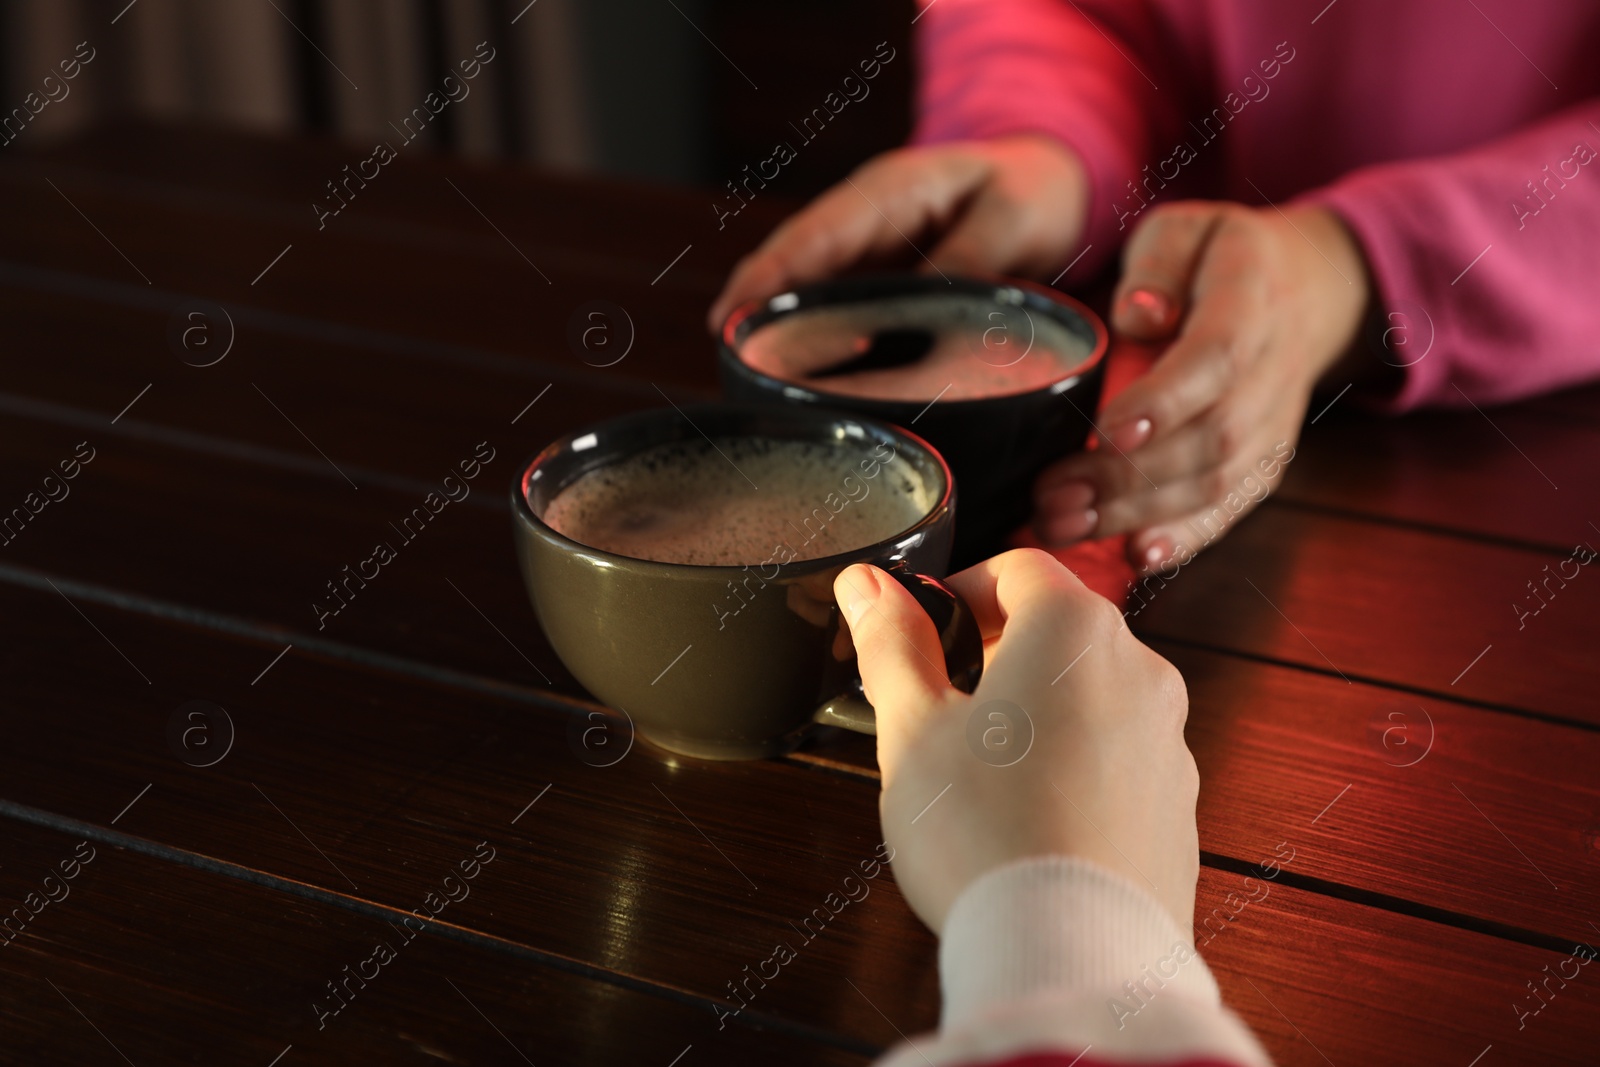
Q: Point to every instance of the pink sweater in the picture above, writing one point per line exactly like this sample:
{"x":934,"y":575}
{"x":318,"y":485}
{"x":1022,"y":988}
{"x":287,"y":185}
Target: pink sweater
{"x":1457,"y":138}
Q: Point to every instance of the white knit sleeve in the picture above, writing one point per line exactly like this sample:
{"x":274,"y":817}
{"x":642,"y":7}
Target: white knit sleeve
{"x":1058,"y":953}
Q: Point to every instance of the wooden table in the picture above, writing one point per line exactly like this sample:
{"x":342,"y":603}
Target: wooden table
{"x":1364,"y":698}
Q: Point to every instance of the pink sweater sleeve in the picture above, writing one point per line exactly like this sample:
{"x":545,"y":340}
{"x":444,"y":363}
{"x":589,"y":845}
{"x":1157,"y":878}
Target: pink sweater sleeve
{"x":1081,"y":72}
{"x":1486,"y":262}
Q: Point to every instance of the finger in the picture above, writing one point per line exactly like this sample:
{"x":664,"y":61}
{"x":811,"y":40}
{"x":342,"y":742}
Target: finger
{"x":897,"y":646}
{"x":1069,"y":494}
{"x":1175,"y":543}
{"x":1132,"y":512}
{"x":1014,"y":586}
{"x":1158,"y":266}
{"x":1088,"y":494}
{"x":1221,"y":339}
{"x":1152,"y":546}
{"x":1044,"y":616}
{"x":1230,"y":487}
{"x":985,"y":239}
{"x":1021,"y":215}
{"x":1064,"y":504}
{"x":876,"y":210}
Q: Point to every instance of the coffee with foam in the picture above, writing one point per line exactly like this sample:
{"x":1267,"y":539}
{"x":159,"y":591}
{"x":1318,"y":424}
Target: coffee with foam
{"x":743,"y":501}
{"x":917,"y":348}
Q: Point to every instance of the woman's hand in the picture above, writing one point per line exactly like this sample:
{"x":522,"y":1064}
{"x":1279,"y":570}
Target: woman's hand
{"x":1071,"y":745}
{"x":1261,"y":303}
{"x":1012,"y":205}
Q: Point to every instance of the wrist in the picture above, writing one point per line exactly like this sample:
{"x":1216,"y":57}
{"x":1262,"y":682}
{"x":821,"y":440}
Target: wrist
{"x":1064,"y":155}
{"x":1062,"y":180}
{"x":1339,"y":282}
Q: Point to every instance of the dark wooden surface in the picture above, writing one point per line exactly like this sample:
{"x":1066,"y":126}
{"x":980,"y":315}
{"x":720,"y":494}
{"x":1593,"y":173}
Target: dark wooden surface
{"x":1444,"y":810}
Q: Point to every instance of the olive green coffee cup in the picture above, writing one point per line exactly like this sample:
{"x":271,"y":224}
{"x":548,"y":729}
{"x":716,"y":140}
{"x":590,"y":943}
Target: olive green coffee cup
{"x":722,"y":662}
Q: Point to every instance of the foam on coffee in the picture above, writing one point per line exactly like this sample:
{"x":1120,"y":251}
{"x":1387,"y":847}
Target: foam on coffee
{"x":736,"y":502}
{"x":977,"y":347}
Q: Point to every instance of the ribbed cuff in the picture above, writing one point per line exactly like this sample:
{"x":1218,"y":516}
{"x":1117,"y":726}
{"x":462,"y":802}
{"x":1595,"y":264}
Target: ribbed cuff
{"x":1062,"y":924}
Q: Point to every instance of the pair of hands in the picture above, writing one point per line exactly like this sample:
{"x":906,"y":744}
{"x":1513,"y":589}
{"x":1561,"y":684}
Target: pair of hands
{"x":1256,"y":305}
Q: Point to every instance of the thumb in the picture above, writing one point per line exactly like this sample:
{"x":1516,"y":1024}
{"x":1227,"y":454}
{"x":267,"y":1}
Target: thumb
{"x":1158,"y":267}
{"x":897,"y":647}
{"x":985,"y":238}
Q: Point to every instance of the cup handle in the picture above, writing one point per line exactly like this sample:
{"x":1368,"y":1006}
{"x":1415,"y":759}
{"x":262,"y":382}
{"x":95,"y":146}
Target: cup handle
{"x":958,"y":635}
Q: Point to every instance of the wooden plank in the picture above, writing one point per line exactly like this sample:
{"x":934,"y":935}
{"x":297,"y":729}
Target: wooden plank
{"x":1272,"y":740}
{"x":264,"y":542}
{"x":1322,"y":980}
{"x":1581,"y":402}
{"x":484,"y":623}
{"x":1435,"y":466}
{"x":158,"y":962}
{"x":1387,"y":791}
{"x":406,"y":414}
{"x":409,"y":757}
{"x":607,"y":225}
{"x":1403,"y":607}
{"x":1514,"y":472}
{"x":1355,"y":984}
{"x":441,"y":285}
{"x":606,"y":866}
{"x":1446,"y":600}
{"x":250,"y":173}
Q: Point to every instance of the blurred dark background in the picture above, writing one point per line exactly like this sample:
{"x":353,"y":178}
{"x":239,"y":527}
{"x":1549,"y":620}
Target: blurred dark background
{"x":677,"y":91}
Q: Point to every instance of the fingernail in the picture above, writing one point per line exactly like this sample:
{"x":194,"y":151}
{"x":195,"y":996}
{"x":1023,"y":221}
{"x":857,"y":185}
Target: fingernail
{"x":1068,"y":528}
{"x":1129,"y":435}
{"x":855,"y":588}
{"x":1154,"y":309}
{"x":1157,"y":553}
{"x":1075,"y":494}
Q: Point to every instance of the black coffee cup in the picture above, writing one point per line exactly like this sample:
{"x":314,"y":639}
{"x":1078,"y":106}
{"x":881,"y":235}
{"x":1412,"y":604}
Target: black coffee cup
{"x":659,"y":642}
{"x":995,"y":444}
